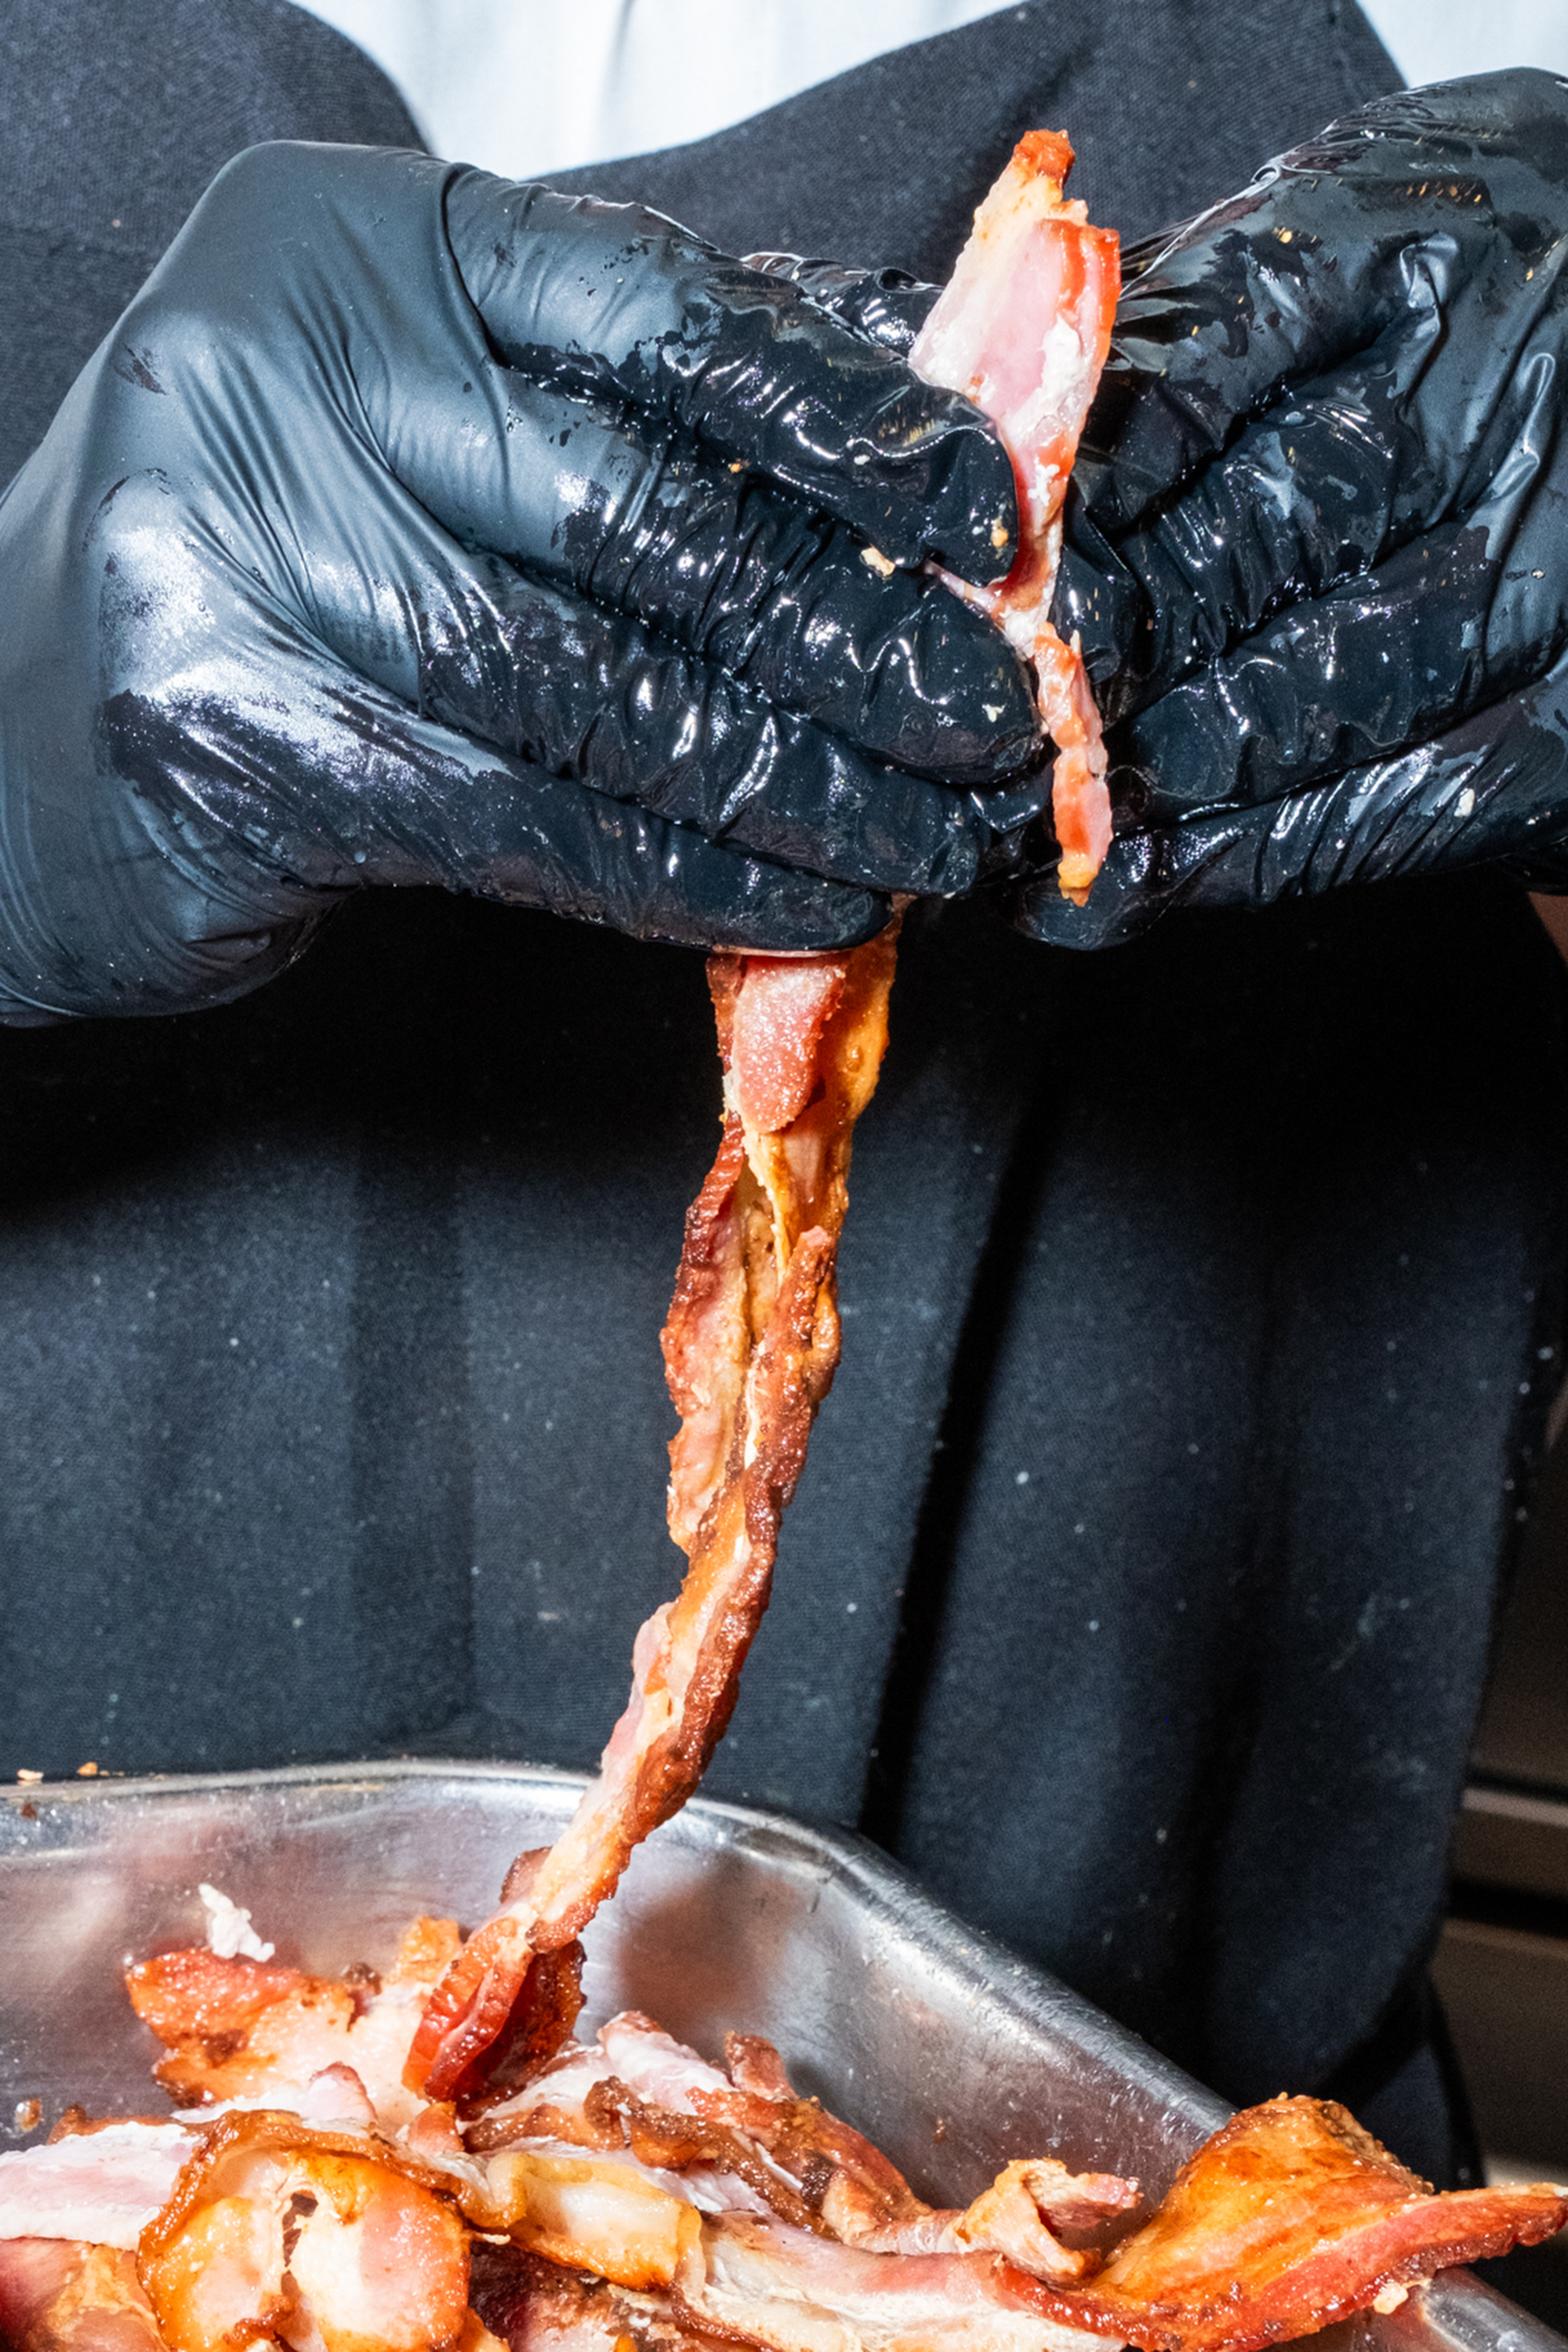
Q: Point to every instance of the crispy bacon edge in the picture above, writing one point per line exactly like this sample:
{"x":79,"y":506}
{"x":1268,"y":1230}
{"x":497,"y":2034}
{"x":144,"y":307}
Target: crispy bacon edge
{"x":1288,"y":2218}
{"x":751,"y":1347}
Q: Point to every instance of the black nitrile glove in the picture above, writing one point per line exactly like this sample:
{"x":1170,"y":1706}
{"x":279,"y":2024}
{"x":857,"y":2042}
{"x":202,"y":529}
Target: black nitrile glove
{"x":414,"y":527}
{"x":1319,"y":535}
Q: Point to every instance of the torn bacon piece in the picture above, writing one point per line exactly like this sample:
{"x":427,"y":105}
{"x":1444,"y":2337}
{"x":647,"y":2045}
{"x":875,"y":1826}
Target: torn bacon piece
{"x":240,"y":2029}
{"x":751,"y":1347}
{"x":849,"y":2190}
{"x":1023,"y":327}
{"x":1290,"y":2217}
{"x":326,"y":2239}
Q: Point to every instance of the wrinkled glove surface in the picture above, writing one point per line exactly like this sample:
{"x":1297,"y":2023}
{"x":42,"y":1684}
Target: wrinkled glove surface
{"x":416,"y":527}
{"x":1319,"y":535}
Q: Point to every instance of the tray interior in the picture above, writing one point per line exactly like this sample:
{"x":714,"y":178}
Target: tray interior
{"x":951,"y":2053}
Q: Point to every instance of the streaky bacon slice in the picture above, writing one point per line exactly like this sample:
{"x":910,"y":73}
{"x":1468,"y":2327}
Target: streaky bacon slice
{"x":101,"y":2186}
{"x":1288,"y":2218}
{"x":848,"y":2187}
{"x":1023,"y":327}
{"x":751,"y":1347}
{"x":762,"y":2282}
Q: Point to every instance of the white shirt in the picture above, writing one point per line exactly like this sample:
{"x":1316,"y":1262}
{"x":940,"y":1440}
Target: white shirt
{"x":527,"y":86}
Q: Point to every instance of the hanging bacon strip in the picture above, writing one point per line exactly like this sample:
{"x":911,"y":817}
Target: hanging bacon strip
{"x":1024,"y":326}
{"x":751,"y":1347}
{"x":751,"y":1342}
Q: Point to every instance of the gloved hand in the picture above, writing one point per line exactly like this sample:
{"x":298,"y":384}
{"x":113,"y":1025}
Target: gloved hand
{"x":415,"y":527}
{"x":1318,"y":545}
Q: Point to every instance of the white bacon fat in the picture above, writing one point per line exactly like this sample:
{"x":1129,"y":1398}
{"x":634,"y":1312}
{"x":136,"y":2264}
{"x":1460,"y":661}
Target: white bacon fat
{"x":105,"y":2186}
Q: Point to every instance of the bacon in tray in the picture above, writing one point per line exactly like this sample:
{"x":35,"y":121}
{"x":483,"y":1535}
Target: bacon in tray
{"x":426,"y":2160}
{"x":628,"y":2189}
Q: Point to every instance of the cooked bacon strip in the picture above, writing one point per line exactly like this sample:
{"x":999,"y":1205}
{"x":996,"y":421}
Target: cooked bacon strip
{"x":533,"y":2305}
{"x":1024,"y":326}
{"x":56,"y":2296}
{"x":326,"y":2239}
{"x":103,"y":2185}
{"x":751,"y":1347}
{"x":240,"y":2029}
{"x":849,"y":2190}
{"x":1290,"y":2217}
{"x":766,"y":2284}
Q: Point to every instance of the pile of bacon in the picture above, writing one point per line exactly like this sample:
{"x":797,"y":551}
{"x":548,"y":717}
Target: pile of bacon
{"x":429,"y":2162}
{"x":628,"y":2198}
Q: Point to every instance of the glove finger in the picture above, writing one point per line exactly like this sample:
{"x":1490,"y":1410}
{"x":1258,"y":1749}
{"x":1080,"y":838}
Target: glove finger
{"x":888,"y":307}
{"x":1494,"y":791}
{"x":1311,"y":495}
{"x":1319,"y":492}
{"x":592,"y":696}
{"x":1367,"y":235}
{"x":568,"y":484}
{"x":614,"y":298}
{"x":713,"y":558}
{"x":1448,"y":626}
{"x":311,"y":780}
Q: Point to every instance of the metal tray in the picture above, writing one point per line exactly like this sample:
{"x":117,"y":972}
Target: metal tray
{"x":950,"y":2052}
